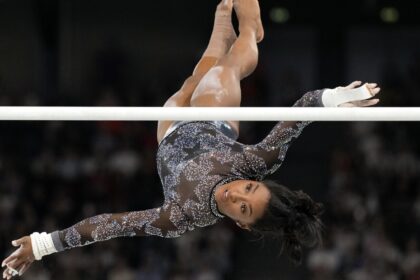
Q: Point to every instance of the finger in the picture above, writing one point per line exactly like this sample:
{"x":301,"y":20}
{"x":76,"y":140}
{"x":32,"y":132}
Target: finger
{"x":12,"y":271}
{"x":346,"y":105}
{"x":15,"y":264}
{"x":375,"y":91}
{"x":372,"y":85}
{"x":19,"y":268}
{"x":368,"y":103}
{"x":9,"y":259}
{"x":354,"y":84}
{"x":12,"y":257}
{"x":18,"y":242}
{"x":11,"y":265}
{"x":8,"y":273}
{"x":24,"y":268}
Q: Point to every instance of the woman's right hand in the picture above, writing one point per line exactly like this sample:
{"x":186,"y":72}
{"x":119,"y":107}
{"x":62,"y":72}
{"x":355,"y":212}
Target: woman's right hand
{"x":371,"y":87}
{"x":20,"y":260}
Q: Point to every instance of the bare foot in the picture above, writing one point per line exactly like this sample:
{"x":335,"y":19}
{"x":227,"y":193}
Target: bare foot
{"x":224,"y":8}
{"x":225,"y":5}
{"x":248,"y":12}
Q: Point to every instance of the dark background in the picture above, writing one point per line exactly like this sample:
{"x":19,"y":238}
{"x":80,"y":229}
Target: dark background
{"x":137,"y":53}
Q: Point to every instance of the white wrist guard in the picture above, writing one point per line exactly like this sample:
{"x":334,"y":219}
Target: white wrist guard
{"x":338,"y":96}
{"x":42,"y":245}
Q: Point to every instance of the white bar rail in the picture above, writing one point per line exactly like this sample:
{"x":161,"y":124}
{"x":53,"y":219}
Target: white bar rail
{"x":27,"y":113}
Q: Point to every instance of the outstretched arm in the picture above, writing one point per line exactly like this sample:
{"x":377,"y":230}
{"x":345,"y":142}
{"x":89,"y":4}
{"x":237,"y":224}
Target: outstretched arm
{"x":269,"y":154}
{"x":107,"y":226}
{"x":166,"y":221}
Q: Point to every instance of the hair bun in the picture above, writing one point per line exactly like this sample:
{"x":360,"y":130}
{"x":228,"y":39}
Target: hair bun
{"x":318,"y":209}
{"x":295,"y":221}
{"x":306,"y":205}
{"x":292,"y":217}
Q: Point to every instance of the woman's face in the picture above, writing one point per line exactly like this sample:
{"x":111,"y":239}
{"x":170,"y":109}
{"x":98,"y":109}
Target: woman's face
{"x":243,"y":201}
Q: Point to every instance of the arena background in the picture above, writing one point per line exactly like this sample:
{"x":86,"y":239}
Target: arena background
{"x":137,"y":53}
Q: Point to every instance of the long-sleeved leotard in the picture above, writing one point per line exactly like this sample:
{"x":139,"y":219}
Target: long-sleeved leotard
{"x":193,"y":161}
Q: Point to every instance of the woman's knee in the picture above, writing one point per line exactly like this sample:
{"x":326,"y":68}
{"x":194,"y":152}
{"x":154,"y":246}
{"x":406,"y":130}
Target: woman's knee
{"x":211,"y":98}
{"x":219,"y":87}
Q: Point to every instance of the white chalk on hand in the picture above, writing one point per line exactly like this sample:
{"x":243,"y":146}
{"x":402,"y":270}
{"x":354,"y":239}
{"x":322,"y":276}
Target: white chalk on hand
{"x":338,"y":96}
{"x":14,"y":271}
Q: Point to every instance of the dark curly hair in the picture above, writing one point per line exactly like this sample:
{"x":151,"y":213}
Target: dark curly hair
{"x":291,"y":217}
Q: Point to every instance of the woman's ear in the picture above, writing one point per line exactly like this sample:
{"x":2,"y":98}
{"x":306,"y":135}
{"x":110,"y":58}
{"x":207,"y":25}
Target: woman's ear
{"x":242,"y":226}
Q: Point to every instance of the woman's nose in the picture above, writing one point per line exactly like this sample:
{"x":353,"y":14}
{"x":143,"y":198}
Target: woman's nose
{"x":236,"y":196}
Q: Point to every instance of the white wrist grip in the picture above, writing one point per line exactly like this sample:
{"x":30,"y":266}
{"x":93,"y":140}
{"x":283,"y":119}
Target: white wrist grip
{"x":338,"y":96}
{"x":42,"y":245}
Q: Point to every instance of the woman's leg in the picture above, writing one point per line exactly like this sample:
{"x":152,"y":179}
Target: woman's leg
{"x":221,"y":40}
{"x":221,"y":85}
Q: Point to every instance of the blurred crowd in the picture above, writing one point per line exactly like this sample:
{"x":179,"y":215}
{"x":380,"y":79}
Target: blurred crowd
{"x":373,"y":215}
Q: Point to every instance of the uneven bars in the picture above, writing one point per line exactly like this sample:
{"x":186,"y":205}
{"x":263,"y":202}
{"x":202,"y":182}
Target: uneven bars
{"x":27,"y":113}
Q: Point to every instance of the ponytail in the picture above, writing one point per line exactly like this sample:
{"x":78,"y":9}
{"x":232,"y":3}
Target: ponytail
{"x":293,"y":218}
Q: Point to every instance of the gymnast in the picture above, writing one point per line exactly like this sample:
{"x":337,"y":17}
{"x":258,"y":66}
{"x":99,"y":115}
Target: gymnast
{"x":206,"y":174}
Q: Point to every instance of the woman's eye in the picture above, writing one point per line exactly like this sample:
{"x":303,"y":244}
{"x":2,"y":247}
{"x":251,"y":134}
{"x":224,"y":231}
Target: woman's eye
{"x":248,"y":187}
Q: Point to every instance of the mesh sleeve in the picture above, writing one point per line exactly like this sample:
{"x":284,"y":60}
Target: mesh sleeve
{"x":166,"y":221}
{"x":269,"y":154}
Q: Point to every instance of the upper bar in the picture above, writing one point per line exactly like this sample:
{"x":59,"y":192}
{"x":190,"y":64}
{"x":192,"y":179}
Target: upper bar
{"x":27,"y":113}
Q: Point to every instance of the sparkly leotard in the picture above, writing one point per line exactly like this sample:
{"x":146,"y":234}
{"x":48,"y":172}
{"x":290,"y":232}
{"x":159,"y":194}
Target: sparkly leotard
{"x":193,"y":161}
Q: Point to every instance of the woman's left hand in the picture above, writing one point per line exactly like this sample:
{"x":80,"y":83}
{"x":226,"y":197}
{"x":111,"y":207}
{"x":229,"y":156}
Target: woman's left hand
{"x":20,"y":260}
{"x":373,"y":89}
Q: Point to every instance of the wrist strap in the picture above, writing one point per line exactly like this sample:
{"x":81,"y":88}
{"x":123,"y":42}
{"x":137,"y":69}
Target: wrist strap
{"x":42,"y":245}
{"x":338,"y":96}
